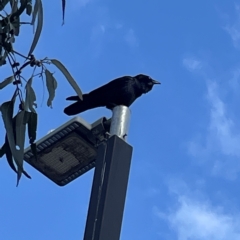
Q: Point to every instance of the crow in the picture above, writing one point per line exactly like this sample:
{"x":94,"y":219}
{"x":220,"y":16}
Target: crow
{"x":121,"y":91}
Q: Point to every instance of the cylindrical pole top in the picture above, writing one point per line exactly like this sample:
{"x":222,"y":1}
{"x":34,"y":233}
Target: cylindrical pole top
{"x":120,"y":121}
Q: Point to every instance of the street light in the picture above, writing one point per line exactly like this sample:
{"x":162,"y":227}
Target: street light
{"x":69,"y":151}
{"x":74,"y":148}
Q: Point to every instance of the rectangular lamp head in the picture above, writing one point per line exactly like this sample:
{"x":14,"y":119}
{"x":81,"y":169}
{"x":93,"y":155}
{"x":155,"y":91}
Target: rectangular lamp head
{"x":67,"y":152}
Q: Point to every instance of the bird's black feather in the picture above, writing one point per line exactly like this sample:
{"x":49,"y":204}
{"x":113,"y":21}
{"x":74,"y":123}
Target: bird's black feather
{"x":121,"y":91}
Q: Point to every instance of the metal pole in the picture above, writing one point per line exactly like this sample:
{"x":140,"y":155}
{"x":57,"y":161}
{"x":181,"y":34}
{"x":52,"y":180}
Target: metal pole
{"x":120,"y":121}
{"x":110,"y":181}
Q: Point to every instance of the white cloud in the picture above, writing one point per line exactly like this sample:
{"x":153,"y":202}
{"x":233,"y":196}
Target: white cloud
{"x":97,"y":40}
{"x":195,"y":220}
{"x":234,"y":29}
{"x":193,"y":217}
{"x":234,"y":32}
{"x":83,"y":3}
{"x":234,"y":81}
{"x":97,"y":32}
{"x":151,"y":192}
{"x":118,"y":25}
{"x":192,"y":64}
{"x":221,"y":125}
{"x":131,"y":38}
{"x":74,"y":6}
{"x":220,"y":145}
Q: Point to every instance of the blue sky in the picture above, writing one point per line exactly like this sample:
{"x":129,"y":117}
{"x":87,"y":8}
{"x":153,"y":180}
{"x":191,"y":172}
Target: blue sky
{"x":184,"y":177}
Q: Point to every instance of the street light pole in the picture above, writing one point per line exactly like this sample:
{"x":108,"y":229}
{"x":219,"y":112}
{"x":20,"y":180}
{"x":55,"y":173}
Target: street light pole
{"x":110,"y":181}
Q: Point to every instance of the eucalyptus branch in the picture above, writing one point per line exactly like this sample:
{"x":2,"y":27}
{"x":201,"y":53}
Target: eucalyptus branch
{"x":19,"y":11}
{"x":16,"y":14}
{"x":17,"y":81}
{"x":20,"y":54}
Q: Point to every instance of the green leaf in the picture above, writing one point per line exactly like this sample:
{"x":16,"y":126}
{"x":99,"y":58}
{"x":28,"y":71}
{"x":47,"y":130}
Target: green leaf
{"x":3,"y":58}
{"x":7,"y":114}
{"x":34,"y":150}
{"x":68,"y":76}
{"x":30,"y":97}
{"x":9,"y":155}
{"x":20,"y":129}
{"x":39,"y":27}
{"x":63,"y":9}
{"x":10,"y":158}
{"x":26,"y":174}
{"x":19,"y":126}
{"x":3,"y":4}
{"x":32,"y":127}
{"x":6,"y":81}
{"x":29,"y":8}
{"x":31,"y":120}
{"x":12,"y":126}
{"x":3,"y":150}
{"x":16,"y":29}
{"x":34,"y":14}
{"x":51,"y":87}
{"x":15,"y":135}
{"x":13,"y":6}
{"x":14,"y":25}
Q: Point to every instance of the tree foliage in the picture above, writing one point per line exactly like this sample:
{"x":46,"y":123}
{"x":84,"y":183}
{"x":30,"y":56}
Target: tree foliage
{"x":18,"y":118}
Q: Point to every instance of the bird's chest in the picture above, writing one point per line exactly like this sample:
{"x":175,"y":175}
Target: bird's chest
{"x":128,"y":95}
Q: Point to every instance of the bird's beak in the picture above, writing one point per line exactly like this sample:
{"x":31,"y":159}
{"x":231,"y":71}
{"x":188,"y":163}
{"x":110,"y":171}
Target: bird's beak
{"x":155,"y":82}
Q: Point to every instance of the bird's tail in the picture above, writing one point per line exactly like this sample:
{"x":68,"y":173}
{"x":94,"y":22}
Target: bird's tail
{"x":73,"y":98}
{"x":79,"y":106}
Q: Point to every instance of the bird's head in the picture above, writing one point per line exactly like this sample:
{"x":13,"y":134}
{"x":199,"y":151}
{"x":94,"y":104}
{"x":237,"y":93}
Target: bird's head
{"x":146,"y":82}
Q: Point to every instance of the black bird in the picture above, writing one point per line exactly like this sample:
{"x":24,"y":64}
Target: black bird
{"x":121,"y":91}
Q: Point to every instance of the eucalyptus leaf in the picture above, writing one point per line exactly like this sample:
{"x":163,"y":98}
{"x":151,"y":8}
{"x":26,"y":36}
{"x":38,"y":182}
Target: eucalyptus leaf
{"x":14,"y":125}
{"x":19,"y":126}
{"x":3,"y":58}
{"x":63,"y":10}
{"x":34,"y":150}
{"x":20,"y":129}
{"x":51,"y":87}
{"x":2,"y":150}
{"x":13,"y":4}
{"x":10,"y":158}
{"x":6,"y":81}
{"x":7,"y":115}
{"x":9,"y":155}
{"x":30,"y":97}
{"x":68,"y":76}
{"x":30,"y":119}
{"x":32,"y":127}
{"x":35,"y":12}
{"x":39,"y":27}
{"x":16,"y":26}
{"x":3,"y":4}
{"x":29,"y":8}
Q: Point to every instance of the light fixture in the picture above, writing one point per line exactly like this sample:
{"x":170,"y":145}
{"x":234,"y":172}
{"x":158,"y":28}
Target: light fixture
{"x":68,"y":151}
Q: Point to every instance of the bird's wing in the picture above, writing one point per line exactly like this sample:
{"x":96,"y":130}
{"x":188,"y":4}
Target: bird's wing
{"x":109,"y":88}
{"x":109,"y":92}
{"x":109,"y":95}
